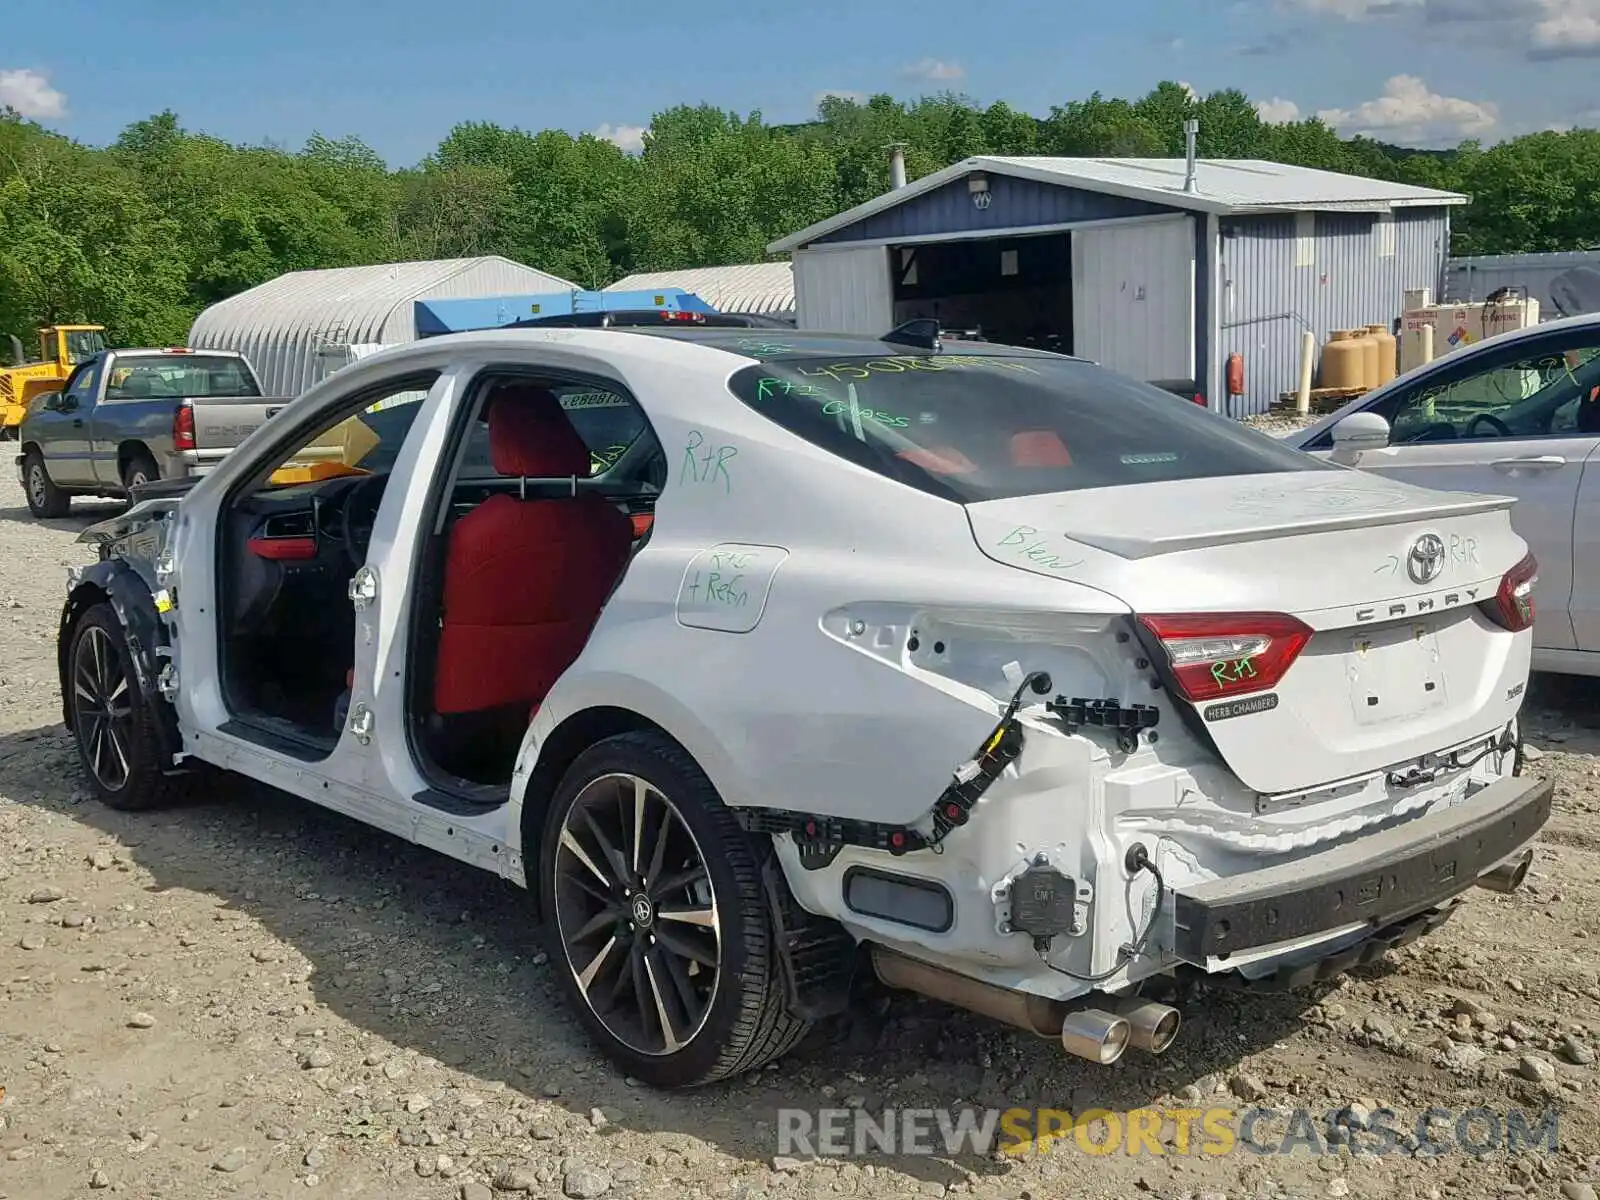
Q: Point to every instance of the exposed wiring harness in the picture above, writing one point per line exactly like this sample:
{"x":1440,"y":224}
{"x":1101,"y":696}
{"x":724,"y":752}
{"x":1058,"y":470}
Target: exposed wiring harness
{"x":1138,"y":860}
{"x":1500,"y":745}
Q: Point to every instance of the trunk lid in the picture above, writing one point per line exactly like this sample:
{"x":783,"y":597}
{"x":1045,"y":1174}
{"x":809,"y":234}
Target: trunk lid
{"x":1322,"y":624}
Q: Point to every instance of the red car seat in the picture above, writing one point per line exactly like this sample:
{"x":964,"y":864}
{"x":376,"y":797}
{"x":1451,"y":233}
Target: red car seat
{"x":525,"y":580}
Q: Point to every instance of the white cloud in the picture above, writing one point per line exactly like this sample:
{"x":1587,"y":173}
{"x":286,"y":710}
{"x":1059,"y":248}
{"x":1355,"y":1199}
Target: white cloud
{"x":1538,"y":29}
{"x":629,"y":137}
{"x":1355,"y":10}
{"x":1278,"y":111}
{"x":30,"y":94}
{"x":934,"y":70}
{"x":1566,"y":29}
{"x":838,"y":94}
{"x":1189,"y":87}
{"x":1410,"y":115}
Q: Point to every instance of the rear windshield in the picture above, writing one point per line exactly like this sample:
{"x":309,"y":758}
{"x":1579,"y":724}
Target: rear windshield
{"x":194,"y":376}
{"x":973,"y":427}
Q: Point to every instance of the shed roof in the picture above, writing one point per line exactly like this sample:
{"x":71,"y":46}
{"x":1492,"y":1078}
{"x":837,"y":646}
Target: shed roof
{"x":1222,"y":186}
{"x":353,"y":304}
{"x":748,"y":287}
{"x":287,"y":324}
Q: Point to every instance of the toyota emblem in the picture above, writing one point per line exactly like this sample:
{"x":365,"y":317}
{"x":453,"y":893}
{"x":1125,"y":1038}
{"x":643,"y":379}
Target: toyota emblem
{"x":1426,"y":559}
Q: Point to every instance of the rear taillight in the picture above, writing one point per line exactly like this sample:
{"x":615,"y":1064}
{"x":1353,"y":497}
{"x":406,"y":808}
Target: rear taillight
{"x":1199,"y":399}
{"x":183,"y":428}
{"x":1512,"y":606}
{"x":1228,"y":654}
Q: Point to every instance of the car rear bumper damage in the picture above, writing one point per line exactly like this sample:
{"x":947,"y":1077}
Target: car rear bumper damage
{"x":1376,"y":880}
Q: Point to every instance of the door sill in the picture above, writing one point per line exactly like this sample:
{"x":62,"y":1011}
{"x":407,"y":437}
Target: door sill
{"x":465,"y":799}
{"x":280,"y":737}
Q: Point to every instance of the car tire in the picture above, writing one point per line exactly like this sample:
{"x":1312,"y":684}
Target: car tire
{"x":45,"y":499}
{"x":115,"y":730}
{"x":654,"y":1013}
{"x":139,"y":470}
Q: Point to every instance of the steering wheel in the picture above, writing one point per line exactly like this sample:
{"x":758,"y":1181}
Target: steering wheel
{"x":367,"y":493}
{"x":1500,"y":427}
{"x":1439,"y":431}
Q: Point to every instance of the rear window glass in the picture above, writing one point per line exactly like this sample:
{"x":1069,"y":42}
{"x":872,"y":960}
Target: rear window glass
{"x":975,"y":427}
{"x":192,"y":376}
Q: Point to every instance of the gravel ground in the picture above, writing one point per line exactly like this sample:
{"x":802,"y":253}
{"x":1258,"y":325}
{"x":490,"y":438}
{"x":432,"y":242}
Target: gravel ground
{"x":251,"y":997}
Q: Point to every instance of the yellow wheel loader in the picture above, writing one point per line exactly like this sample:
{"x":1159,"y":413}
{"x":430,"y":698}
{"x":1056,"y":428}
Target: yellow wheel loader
{"x":61,"y":348}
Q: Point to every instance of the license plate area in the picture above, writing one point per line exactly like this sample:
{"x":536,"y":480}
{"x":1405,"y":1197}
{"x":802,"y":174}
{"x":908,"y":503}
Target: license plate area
{"x":1395,"y":673}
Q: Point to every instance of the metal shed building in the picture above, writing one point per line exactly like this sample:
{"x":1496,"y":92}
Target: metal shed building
{"x":1158,"y":268}
{"x":1565,"y":283}
{"x":750,"y":287}
{"x":302,"y":326}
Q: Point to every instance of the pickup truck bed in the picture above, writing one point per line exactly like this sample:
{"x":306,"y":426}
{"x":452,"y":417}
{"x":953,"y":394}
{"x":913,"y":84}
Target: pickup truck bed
{"x":127,"y":418}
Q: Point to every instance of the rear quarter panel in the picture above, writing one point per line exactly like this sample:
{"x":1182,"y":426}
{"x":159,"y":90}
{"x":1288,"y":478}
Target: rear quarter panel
{"x":803,"y":694}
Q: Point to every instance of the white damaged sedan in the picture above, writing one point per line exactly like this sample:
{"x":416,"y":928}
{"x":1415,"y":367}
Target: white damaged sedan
{"x":762,"y":662}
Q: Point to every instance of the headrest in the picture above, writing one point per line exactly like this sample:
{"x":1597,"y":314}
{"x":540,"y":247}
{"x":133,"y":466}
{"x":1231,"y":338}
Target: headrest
{"x":530,"y":436}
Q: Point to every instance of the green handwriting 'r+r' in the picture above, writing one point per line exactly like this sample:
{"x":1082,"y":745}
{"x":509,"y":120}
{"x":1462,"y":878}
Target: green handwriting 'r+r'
{"x":707,"y":467}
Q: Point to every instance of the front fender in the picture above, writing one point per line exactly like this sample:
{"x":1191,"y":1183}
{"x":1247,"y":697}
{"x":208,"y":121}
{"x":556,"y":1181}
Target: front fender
{"x":115,"y":582}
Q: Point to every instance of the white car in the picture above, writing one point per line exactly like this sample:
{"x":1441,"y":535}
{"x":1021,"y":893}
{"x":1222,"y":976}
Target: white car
{"x":1517,"y":414}
{"x":759,"y":656}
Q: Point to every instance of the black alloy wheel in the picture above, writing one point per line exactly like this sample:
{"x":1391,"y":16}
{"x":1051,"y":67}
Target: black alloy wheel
{"x":103,"y":707}
{"x":637,"y":914}
{"x":115,"y":729}
{"x":660,"y":919}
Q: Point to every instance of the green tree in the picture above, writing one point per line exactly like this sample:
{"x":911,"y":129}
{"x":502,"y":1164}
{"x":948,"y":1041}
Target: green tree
{"x":144,"y":233}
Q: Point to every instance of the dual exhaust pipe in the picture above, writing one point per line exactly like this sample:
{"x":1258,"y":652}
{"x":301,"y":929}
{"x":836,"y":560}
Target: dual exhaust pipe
{"x":1101,"y":1037}
{"x":1507,"y":876}
{"x":1089,"y":1033}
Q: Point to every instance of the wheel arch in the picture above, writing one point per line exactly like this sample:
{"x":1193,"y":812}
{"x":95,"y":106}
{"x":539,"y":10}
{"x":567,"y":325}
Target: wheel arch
{"x":815,"y":984}
{"x":557,"y":751}
{"x":116,"y":583}
{"x":130,"y":449}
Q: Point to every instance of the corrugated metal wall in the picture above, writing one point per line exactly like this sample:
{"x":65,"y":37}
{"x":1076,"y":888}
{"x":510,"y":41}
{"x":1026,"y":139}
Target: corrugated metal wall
{"x":283,"y":325}
{"x":488,"y":276}
{"x":1278,"y":282}
{"x":1565,"y":284}
{"x":1013,"y":203}
{"x":749,"y":287}
{"x":844,"y":291}
{"x":1133,"y":286}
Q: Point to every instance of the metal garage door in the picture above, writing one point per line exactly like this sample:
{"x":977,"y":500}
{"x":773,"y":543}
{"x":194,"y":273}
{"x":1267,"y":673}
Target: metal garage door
{"x":1133,"y":297}
{"x":844,"y":291}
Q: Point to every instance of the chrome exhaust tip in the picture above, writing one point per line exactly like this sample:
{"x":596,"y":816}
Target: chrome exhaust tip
{"x":1507,"y":876}
{"x":1152,"y":1027}
{"x":1100,"y":1037}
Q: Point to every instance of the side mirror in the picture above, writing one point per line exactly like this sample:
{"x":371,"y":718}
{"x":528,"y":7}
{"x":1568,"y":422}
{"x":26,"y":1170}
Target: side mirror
{"x":1356,"y":433}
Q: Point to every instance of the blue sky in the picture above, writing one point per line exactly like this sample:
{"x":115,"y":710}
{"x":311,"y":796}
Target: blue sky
{"x":400,"y":74}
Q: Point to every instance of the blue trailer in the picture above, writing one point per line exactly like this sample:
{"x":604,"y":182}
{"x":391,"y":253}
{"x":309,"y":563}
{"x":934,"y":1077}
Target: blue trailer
{"x":435,"y":317}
